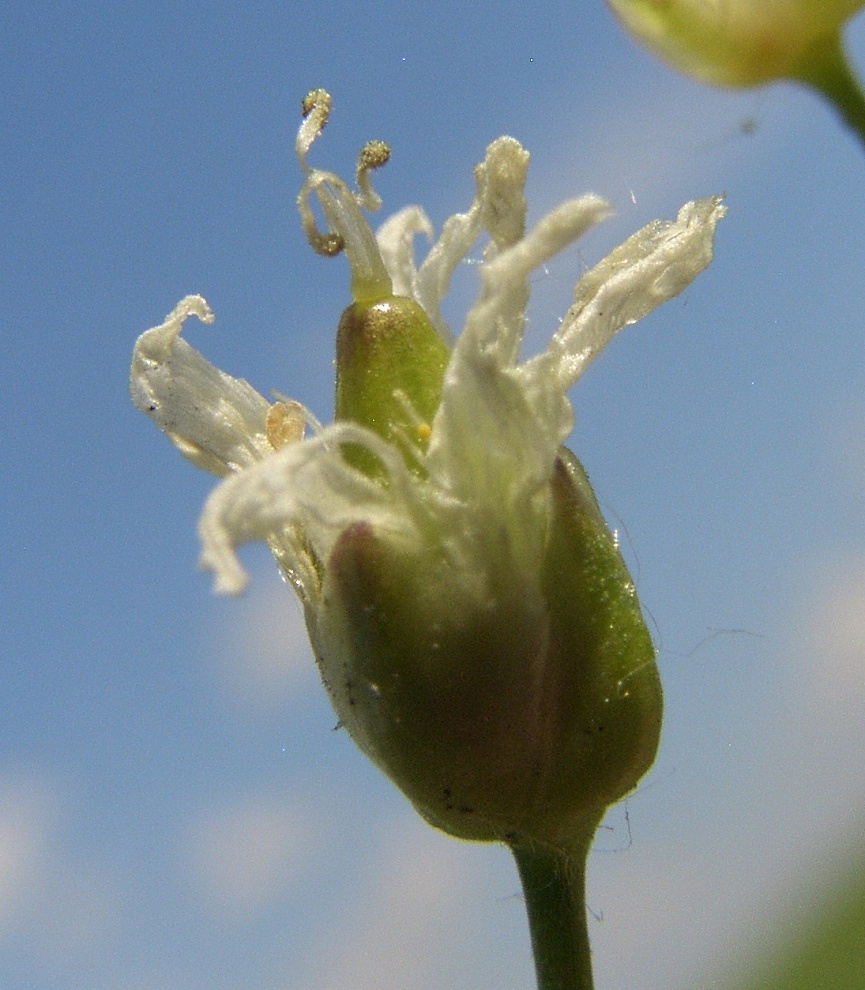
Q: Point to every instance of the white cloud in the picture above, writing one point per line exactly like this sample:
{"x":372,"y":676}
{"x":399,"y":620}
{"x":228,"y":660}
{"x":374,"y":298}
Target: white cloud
{"x":246,"y":854}
{"x":261,"y":646}
{"x":23,"y":842}
{"x":66,"y":908}
{"x":824,"y":748}
{"x":397,"y":931}
{"x":79,"y":911}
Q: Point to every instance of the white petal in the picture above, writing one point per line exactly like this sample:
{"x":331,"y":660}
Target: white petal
{"x":494,"y":184}
{"x":217,"y":421}
{"x":395,"y":239}
{"x":489,"y":447}
{"x":504,"y":202}
{"x":306,"y":484}
{"x":653,"y":265}
{"x":486,"y":447}
{"x":499,"y":207}
{"x":504,"y":281}
{"x":458,"y":234}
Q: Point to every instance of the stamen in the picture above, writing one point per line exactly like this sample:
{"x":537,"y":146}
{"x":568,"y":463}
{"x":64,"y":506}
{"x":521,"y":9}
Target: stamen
{"x":348,"y":229}
{"x":415,"y":438}
{"x":372,"y":155}
{"x":326,"y":243}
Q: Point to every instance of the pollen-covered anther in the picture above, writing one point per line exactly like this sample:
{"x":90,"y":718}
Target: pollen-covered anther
{"x":373,"y":154}
{"x":284,"y":423}
{"x":316,"y":99}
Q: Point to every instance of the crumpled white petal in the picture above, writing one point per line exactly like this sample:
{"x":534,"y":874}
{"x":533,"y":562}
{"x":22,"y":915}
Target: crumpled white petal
{"x":310,"y":483}
{"x":504,"y":203}
{"x":499,"y":207}
{"x":217,"y":421}
{"x":652,"y":266}
{"x":485,"y":431}
{"x":395,"y":239}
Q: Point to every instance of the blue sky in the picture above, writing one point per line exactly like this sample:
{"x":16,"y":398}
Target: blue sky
{"x":175,"y":809}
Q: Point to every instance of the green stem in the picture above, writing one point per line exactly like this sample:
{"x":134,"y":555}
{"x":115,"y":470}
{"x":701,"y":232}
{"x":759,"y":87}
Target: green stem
{"x":826,"y":70}
{"x":554,"y":884}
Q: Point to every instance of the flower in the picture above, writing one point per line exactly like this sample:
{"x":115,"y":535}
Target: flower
{"x":473,"y":622}
{"x":738,"y":42}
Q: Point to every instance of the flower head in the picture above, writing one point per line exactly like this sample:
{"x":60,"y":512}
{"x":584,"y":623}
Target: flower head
{"x":473,"y":622}
{"x":736,"y":42}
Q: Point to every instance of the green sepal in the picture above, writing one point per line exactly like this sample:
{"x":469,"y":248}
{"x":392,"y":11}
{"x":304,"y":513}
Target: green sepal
{"x":609,"y":694}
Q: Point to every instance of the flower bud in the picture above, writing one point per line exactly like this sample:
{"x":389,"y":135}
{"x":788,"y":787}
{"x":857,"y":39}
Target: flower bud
{"x":737,"y":42}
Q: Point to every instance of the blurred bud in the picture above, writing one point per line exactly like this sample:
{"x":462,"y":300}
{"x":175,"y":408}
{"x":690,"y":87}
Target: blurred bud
{"x":738,"y":42}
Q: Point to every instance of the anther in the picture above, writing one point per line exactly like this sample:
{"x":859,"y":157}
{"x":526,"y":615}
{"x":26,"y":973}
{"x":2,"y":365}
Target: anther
{"x":284,"y":423}
{"x":316,"y":99}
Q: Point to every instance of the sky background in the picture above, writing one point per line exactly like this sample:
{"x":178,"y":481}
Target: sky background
{"x":176,"y":811}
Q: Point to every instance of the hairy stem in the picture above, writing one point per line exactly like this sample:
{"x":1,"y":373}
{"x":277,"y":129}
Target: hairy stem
{"x":554,"y":883}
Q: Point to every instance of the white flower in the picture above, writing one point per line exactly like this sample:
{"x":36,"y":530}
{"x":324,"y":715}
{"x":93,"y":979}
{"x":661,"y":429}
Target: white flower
{"x":493,"y":442}
{"x":456,"y":574}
